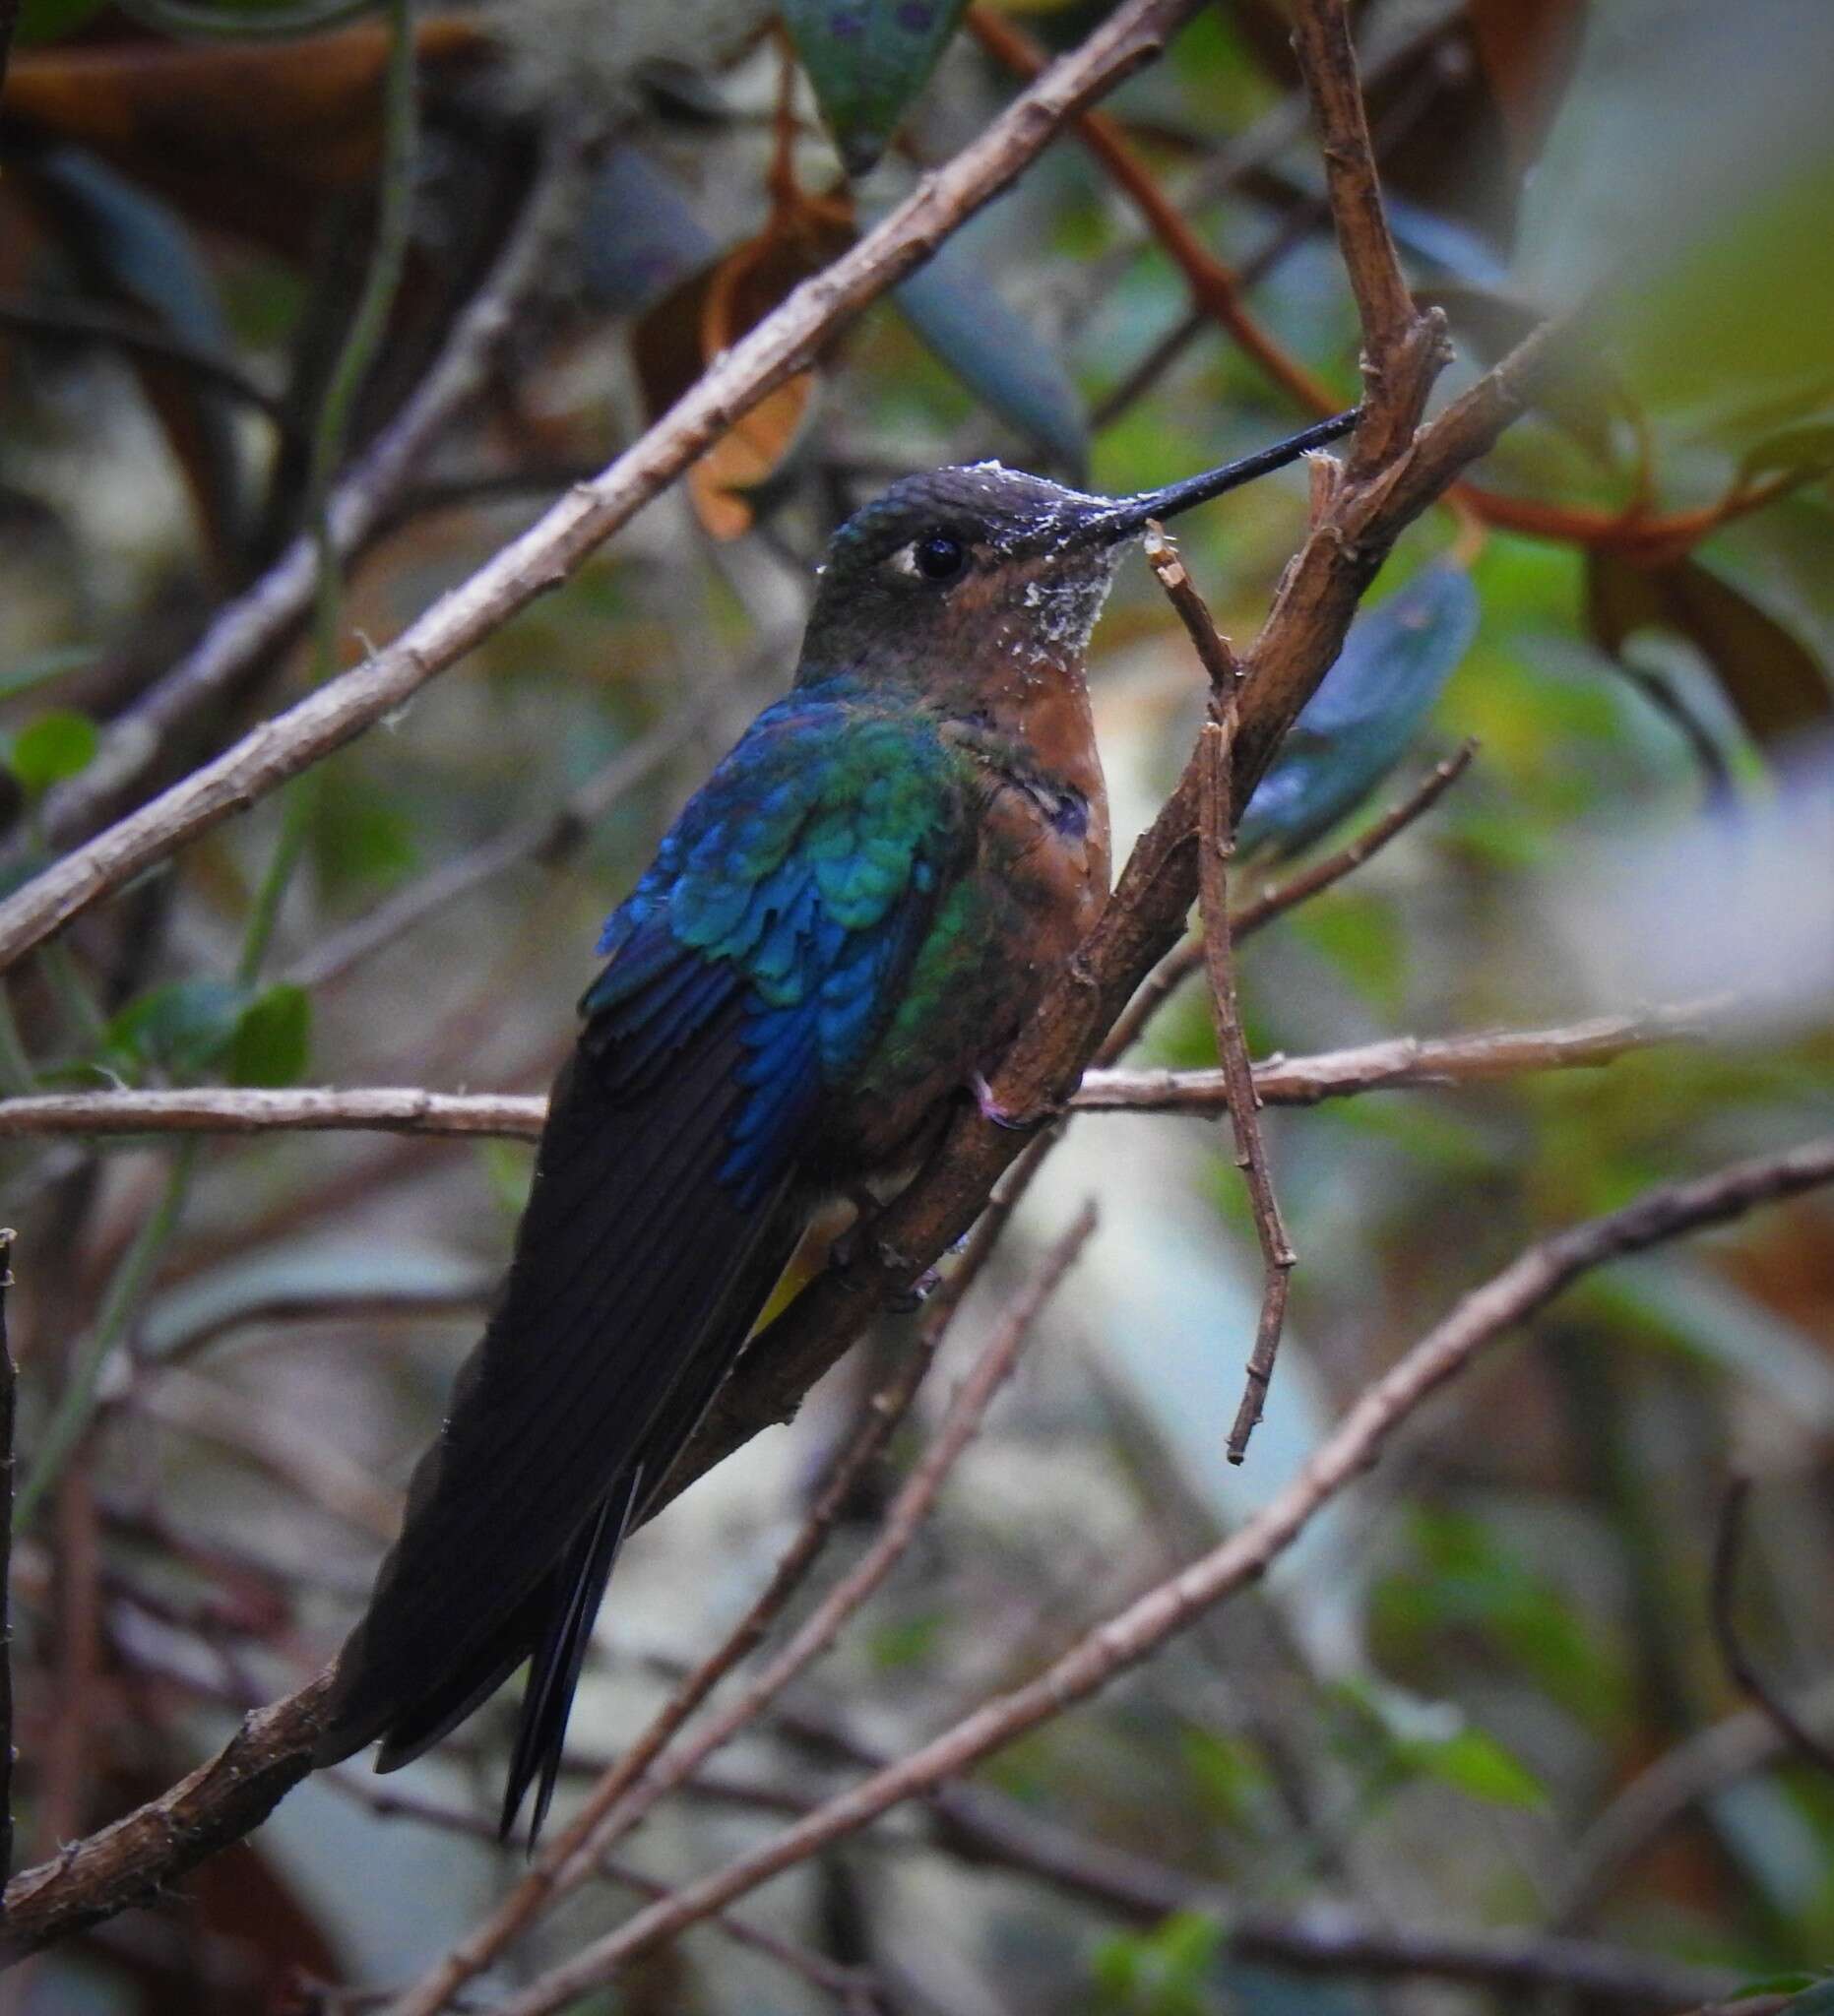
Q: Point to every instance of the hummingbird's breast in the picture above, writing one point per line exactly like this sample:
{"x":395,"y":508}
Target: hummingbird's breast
{"x":1036,"y":883}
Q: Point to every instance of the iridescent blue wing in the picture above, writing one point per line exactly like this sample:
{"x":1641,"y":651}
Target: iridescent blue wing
{"x":754,"y":964}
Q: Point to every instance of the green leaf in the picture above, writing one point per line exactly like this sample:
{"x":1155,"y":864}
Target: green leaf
{"x":1478,"y":1764}
{"x":1806,"y":451}
{"x":272,"y":1037}
{"x":867,"y":59}
{"x":181,"y":1027}
{"x":53,"y":747}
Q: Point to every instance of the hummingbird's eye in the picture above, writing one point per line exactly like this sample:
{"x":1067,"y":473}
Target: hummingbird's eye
{"x":939,"y":558}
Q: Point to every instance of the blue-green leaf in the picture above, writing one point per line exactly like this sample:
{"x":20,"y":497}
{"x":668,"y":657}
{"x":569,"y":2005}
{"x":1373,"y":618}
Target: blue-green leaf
{"x":272,"y":1037}
{"x":181,"y":1027}
{"x":867,"y":59}
{"x":1356,"y":727}
{"x":996,"y":354}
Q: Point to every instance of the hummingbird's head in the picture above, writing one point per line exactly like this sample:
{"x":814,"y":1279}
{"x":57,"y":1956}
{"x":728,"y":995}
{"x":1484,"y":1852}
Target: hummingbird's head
{"x":947,"y":568}
{"x":976,"y":573}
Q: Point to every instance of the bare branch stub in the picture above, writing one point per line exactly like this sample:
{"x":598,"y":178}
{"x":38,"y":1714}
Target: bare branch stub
{"x":1728,"y":1546}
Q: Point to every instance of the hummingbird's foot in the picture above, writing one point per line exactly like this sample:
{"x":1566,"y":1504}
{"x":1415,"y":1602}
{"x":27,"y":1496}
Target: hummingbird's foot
{"x":845,"y":1248}
{"x":907,"y":1300}
{"x":1003,"y":1116}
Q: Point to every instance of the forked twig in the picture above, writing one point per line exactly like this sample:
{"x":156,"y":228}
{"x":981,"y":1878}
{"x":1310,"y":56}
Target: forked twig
{"x":1215,"y":840}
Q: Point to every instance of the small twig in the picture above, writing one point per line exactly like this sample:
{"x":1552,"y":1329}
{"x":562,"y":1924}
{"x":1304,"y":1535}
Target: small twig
{"x":545,"y":838}
{"x":1216,"y":841}
{"x":1276,"y":901}
{"x":1739,"y":1662}
{"x":1400,"y":1062}
{"x":1121,"y":1642}
{"x":1401,"y":347}
{"x":644,"y":1776}
{"x":9,"y":1389}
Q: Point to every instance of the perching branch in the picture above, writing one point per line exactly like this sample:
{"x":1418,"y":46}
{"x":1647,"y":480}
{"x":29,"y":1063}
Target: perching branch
{"x":1122,"y":1641}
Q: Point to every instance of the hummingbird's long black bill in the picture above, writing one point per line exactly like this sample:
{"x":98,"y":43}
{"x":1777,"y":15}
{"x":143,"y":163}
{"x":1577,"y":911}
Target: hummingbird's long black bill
{"x":1130,"y":514}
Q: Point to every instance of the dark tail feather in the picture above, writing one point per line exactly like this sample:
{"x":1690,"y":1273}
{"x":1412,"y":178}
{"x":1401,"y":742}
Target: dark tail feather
{"x":554,"y":1668}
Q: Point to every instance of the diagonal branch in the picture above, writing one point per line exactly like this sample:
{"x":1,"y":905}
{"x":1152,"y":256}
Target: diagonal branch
{"x":783,"y":343}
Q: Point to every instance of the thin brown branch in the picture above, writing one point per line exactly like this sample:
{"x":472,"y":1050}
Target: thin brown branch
{"x":1524,"y":1287}
{"x":1393,"y":1064}
{"x":1216,"y":841}
{"x":1398,"y":342}
{"x":1400,"y":1062}
{"x":621,"y":1800}
{"x":226,"y":1109}
{"x":1728,"y":1544}
{"x":1215,"y":829}
{"x":1279,"y":898}
{"x":786,"y":341}
{"x":1274,"y":901}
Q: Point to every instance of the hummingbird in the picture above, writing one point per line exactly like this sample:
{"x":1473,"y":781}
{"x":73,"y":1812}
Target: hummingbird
{"x":838,"y":937}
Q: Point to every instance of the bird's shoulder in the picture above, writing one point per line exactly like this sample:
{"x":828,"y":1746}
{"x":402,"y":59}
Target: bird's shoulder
{"x":834,"y":817}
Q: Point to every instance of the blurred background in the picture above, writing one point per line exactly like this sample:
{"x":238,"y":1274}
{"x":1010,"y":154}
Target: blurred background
{"x":268,"y":274}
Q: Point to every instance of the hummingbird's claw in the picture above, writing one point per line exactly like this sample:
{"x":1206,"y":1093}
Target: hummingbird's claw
{"x":990,"y":1109}
{"x":907,"y":1300}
